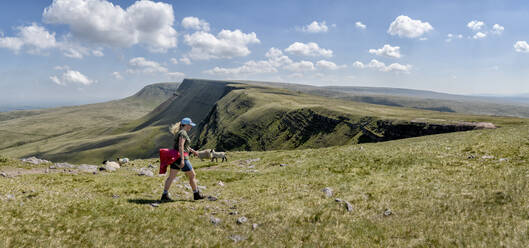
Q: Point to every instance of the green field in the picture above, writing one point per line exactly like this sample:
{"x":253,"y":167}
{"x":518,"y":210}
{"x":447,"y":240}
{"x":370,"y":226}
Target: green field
{"x":460,"y":189}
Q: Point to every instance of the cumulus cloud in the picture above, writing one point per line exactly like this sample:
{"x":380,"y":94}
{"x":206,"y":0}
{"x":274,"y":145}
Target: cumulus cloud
{"x":316,"y":27}
{"x":451,"y":37}
{"x":310,"y":49}
{"x":250,"y":67}
{"x":142,"y":65}
{"x":71,"y":76}
{"x":328,"y":65}
{"x":381,"y":66}
{"x":277,"y":58}
{"x":33,"y":37}
{"x":387,"y":50}
{"x":185,"y":60}
{"x":521,"y":46}
{"x":117,"y":75}
{"x":300,"y":66}
{"x":497,"y":29}
{"x":404,"y":26}
{"x":360,"y":25}
{"x":479,"y":35}
{"x":101,"y":22}
{"x":475,"y":25}
{"x":174,"y":61}
{"x":227,"y":44}
{"x":194,"y":23}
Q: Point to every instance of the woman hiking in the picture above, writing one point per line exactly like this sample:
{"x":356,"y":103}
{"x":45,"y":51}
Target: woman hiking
{"x":181,"y":144}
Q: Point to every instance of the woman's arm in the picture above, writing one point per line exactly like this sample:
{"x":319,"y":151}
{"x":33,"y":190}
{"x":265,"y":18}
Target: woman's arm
{"x":181,"y":142}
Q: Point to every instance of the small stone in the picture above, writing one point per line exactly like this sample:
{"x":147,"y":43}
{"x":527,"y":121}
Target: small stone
{"x":220,"y":183}
{"x":237,"y":238}
{"x":503,"y":159}
{"x":327,"y":191}
{"x":212,"y":198}
{"x":338,"y":200}
{"x":242,"y":220}
{"x":255,"y":226}
{"x":387,"y":212}
{"x":145,"y":172}
{"x":155,"y":205}
{"x":487,"y":157}
{"x":62,"y":166}
{"x":3,"y":174}
{"x":214,"y":220}
{"x":348,"y":206}
{"x":234,"y":213}
{"x":251,"y":166}
{"x":283,"y":165}
{"x":34,"y":160}
{"x":95,"y":172}
{"x":10,"y":197}
{"x":87,"y":168}
{"x":187,"y":187}
{"x":115,"y":196}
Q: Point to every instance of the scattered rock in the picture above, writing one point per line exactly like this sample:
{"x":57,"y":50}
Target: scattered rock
{"x":34,"y":160}
{"x":234,"y":213}
{"x":237,"y":238}
{"x":115,"y":196}
{"x":487,"y":157}
{"x":214,"y":221}
{"x":87,"y":168}
{"x":348,"y":206}
{"x":10,"y":197}
{"x":327,"y":191}
{"x":3,"y":174}
{"x":62,"y":166}
{"x":249,"y":161}
{"x":251,"y":166}
{"x":338,"y":200}
{"x":155,"y":205}
{"x":283,"y":165}
{"x":255,"y":226}
{"x":242,"y":220}
{"x":111,"y":166}
{"x":503,"y":159}
{"x":220,"y":183}
{"x":188,"y":187}
{"x":212,"y":198}
{"x":145,"y":172}
{"x":388,"y":212}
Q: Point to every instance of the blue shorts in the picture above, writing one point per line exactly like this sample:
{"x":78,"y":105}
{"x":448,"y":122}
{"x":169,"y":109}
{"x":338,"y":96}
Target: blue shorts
{"x":187,"y":165}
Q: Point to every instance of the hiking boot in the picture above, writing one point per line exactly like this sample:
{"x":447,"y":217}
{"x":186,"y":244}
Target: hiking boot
{"x":198,"y":196}
{"x":166,"y":198}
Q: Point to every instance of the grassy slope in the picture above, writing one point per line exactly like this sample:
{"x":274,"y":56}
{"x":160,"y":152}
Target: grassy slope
{"x":48,"y":131}
{"x":438,"y":195}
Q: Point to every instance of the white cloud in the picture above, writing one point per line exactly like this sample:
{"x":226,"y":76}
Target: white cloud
{"x":521,"y":46}
{"x":276,"y":57}
{"x":316,"y":27}
{"x":194,"y":23}
{"x":310,"y":49}
{"x":117,"y":75}
{"x":227,"y":44}
{"x":34,"y":37}
{"x":300,"y":66}
{"x":101,"y":22}
{"x":497,"y":29}
{"x":360,"y":25}
{"x":475,"y":25}
{"x":71,"y":76}
{"x":174,"y":61}
{"x":380,"y":66}
{"x":479,"y":35}
{"x":98,"y":53}
{"x":328,"y":65}
{"x":142,"y":65}
{"x":404,"y":26}
{"x":250,"y":67}
{"x":177,"y":76}
{"x":387,"y":50}
{"x":451,"y":37}
{"x":185,"y":60}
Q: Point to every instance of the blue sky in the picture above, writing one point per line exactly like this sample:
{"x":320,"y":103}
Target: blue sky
{"x":82,"y":51}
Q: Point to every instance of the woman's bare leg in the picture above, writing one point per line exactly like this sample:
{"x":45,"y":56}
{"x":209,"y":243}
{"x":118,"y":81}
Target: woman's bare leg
{"x":192,"y":182}
{"x":170,"y":179}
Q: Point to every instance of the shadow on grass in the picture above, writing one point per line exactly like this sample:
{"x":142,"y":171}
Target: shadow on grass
{"x":151,"y":201}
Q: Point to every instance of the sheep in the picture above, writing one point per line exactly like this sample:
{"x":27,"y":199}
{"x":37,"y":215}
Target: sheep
{"x":204,"y":154}
{"x":122,"y":161}
{"x":215,"y":155}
